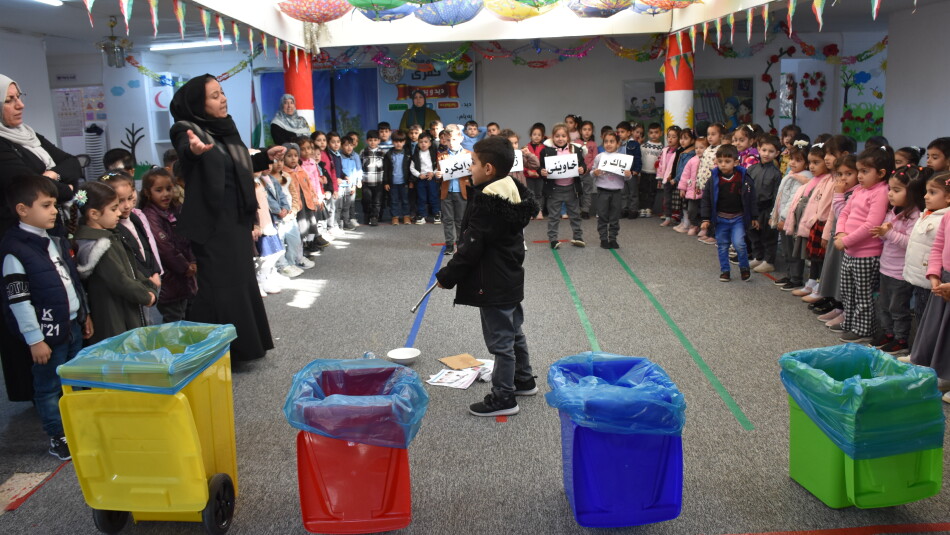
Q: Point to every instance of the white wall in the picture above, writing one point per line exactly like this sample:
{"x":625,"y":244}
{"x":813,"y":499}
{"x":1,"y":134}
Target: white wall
{"x":917,"y":77}
{"x":24,"y":60}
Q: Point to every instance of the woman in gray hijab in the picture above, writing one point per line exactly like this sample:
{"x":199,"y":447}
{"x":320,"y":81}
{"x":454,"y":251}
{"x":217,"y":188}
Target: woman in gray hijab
{"x":287,"y":124}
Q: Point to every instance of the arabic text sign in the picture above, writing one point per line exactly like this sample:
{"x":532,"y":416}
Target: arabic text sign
{"x":518,"y":166}
{"x":615,"y":162}
{"x":455,"y":167}
{"x":563,"y":166}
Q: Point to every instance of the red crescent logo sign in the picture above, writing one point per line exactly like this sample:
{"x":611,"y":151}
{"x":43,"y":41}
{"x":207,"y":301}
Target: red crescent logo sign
{"x":161,"y":95}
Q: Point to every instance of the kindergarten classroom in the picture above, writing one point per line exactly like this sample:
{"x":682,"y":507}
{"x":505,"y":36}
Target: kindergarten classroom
{"x":657,"y":296}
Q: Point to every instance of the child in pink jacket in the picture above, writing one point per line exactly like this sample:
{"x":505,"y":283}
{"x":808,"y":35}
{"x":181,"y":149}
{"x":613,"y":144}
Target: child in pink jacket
{"x":665,"y":171}
{"x":861,"y":266}
{"x":688,"y":188}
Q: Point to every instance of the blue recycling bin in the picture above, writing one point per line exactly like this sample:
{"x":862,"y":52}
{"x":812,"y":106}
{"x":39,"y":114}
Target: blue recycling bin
{"x":621,"y":444}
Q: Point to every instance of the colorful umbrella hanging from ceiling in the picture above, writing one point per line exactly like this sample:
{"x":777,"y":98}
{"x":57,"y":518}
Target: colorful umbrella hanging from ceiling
{"x":449,"y":12}
{"x":513,"y":10}
{"x":600,"y":9}
{"x":643,"y":9}
{"x":316,"y":11}
{"x":537,"y":4}
{"x":670,"y":4}
{"x":391,"y":14}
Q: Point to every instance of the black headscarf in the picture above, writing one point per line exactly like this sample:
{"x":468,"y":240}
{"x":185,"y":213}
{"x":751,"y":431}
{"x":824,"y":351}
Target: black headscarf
{"x":188,"y":105}
{"x":417,"y":114}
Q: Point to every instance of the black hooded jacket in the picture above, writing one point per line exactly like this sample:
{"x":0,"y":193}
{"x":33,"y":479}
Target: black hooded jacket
{"x":488,"y":265}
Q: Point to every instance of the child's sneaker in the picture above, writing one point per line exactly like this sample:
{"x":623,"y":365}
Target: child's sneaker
{"x":395,"y":221}
{"x":701,"y":234}
{"x":648,"y":213}
{"x":836,"y":324}
{"x":526,"y":388}
{"x":59,"y":448}
{"x":585,"y":215}
{"x":781,"y":282}
{"x":373,"y":222}
{"x":495,"y":405}
{"x":604,"y":244}
{"x":791,"y":286}
{"x":755,"y":263}
{"x":828,"y":316}
{"x":693,"y":231}
{"x":306,"y":263}
{"x":896,"y":348}
{"x":555,"y":244}
{"x":354,"y":223}
{"x":764,"y":267}
{"x":614,"y":244}
{"x":734,"y":259}
{"x":854,"y":338}
{"x":904,"y":358}
{"x":745,"y":275}
{"x":437,"y":219}
{"x":881,"y":341}
{"x":724,"y":277}
{"x":578,"y":243}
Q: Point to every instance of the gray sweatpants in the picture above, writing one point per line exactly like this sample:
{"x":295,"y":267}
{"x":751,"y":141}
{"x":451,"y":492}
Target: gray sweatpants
{"x":453,"y":208}
{"x":893,"y":306}
{"x":501,"y":328}
{"x":590,"y":192}
{"x":564,"y":195}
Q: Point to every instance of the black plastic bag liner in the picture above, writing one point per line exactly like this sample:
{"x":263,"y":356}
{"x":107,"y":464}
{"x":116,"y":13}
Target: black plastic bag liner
{"x":616,"y":394}
{"x":159,"y":359}
{"x":369,"y":401}
{"x":868,"y":403}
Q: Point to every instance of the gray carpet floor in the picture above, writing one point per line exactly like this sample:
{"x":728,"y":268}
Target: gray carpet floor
{"x":476,"y":475}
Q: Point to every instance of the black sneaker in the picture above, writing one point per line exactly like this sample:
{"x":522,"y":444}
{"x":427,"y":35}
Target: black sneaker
{"x":429,"y":219}
{"x":734,"y":260}
{"x":555,"y":244}
{"x":624,"y":213}
{"x":526,"y":388}
{"x":437,"y":219}
{"x":898,"y":348}
{"x":745,"y":275}
{"x":448,"y":251}
{"x":724,"y":277}
{"x":585,"y":215}
{"x":781,"y":282}
{"x":59,"y":449}
{"x":373,"y":222}
{"x":633,"y":214}
{"x":614,"y":244}
{"x":826,"y":308}
{"x":820,"y":303}
{"x":604,"y":244}
{"x":789,"y":286}
{"x":495,"y":406}
{"x":320,"y":242}
{"x":882,"y":340}
{"x":854,"y":338}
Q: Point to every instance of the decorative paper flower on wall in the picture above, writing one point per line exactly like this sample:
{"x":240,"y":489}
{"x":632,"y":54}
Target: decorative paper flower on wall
{"x":513,"y":10}
{"x":449,"y":12}
{"x":600,"y":9}
{"x":316,"y":11}
{"x":398,"y":10}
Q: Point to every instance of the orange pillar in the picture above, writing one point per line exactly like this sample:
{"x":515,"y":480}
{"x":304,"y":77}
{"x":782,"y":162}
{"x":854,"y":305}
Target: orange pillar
{"x":298,"y":81}
{"x":678,"y":73}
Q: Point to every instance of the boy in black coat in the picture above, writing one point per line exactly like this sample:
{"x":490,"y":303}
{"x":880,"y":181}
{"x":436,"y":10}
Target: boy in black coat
{"x":488,"y":271}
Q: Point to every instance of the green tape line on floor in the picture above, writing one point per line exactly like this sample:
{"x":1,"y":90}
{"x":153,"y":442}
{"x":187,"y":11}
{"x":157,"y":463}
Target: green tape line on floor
{"x":581,"y":313}
{"x":707,"y":371}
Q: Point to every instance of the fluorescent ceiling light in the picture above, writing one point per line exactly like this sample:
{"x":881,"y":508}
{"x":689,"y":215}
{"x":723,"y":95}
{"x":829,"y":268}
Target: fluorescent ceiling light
{"x":190,"y":44}
{"x":54,"y":3}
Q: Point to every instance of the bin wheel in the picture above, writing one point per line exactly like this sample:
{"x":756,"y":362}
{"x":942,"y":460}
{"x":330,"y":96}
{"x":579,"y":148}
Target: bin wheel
{"x":218,"y":513}
{"x":110,"y":521}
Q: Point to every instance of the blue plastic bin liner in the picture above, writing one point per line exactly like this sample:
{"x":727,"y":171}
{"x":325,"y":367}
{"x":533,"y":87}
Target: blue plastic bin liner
{"x":868,"y":403}
{"x":616,"y":394}
{"x":158,"y":359}
{"x":369,"y":401}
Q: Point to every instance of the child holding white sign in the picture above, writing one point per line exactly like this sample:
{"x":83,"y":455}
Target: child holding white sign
{"x":454,"y":192}
{"x":609,"y":190}
{"x":562,"y":166}
{"x":528,"y":159}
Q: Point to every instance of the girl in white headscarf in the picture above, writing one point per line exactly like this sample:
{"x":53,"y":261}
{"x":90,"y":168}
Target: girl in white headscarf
{"x":287,"y":124}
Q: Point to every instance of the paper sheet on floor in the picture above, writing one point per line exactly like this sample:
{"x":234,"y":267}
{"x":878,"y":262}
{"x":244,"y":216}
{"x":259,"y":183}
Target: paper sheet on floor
{"x":463,"y":378}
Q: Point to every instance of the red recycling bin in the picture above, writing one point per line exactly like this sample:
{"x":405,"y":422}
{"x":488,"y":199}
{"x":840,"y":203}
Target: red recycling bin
{"x":347,"y":487}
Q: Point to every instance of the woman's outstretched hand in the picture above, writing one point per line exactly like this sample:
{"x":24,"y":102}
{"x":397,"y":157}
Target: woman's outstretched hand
{"x":196,"y":146}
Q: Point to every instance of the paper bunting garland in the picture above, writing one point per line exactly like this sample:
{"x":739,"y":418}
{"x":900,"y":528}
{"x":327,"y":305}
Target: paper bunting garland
{"x":220,"y":24}
{"x":818,"y":8}
{"x":276,"y":47}
{"x":264,"y":43}
{"x":718,"y":31}
{"x":732,"y":28}
{"x":765,"y":20}
{"x":679,"y":42}
{"x":250,"y":38}
{"x":125,"y":8}
{"x":705,"y":32}
{"x":236,"y":30}
{"x":876,"y":8}
{"x":179,"y":8}
{"x":692,"y":37}
{"x":791,"y":14}
{"x":749,"y":16}
{"x":205,"y":20}
{"x":89,"y":4}
{"x":153,"y":9}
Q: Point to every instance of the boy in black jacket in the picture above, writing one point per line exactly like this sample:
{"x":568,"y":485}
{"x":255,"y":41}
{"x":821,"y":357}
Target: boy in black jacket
{"x":489,"y":274}
{"x":729,"y":197}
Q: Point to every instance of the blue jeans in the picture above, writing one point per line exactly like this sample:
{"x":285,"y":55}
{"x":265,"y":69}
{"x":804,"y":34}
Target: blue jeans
{"x":46,"y":385}
{"x":399,"y":197}
{"x":731,"y":230}
{"x":429,"y":203}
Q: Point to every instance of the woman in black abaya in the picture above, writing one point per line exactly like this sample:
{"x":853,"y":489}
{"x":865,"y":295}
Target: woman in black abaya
{"x":219,"y":213}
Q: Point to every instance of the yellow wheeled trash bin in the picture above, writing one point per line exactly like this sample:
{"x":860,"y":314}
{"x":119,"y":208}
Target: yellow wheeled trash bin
{"x":149,"y":418}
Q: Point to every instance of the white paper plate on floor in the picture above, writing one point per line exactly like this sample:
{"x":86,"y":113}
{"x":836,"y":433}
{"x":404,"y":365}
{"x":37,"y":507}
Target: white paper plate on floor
{"x":404,"y":355}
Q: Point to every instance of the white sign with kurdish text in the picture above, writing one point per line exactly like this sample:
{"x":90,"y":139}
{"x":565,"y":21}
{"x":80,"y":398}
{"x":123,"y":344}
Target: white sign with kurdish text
{"x":563,"y":166}
{"x":614,"y":162}
{"x":518,"y":166}
{"x":455,"y":167}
